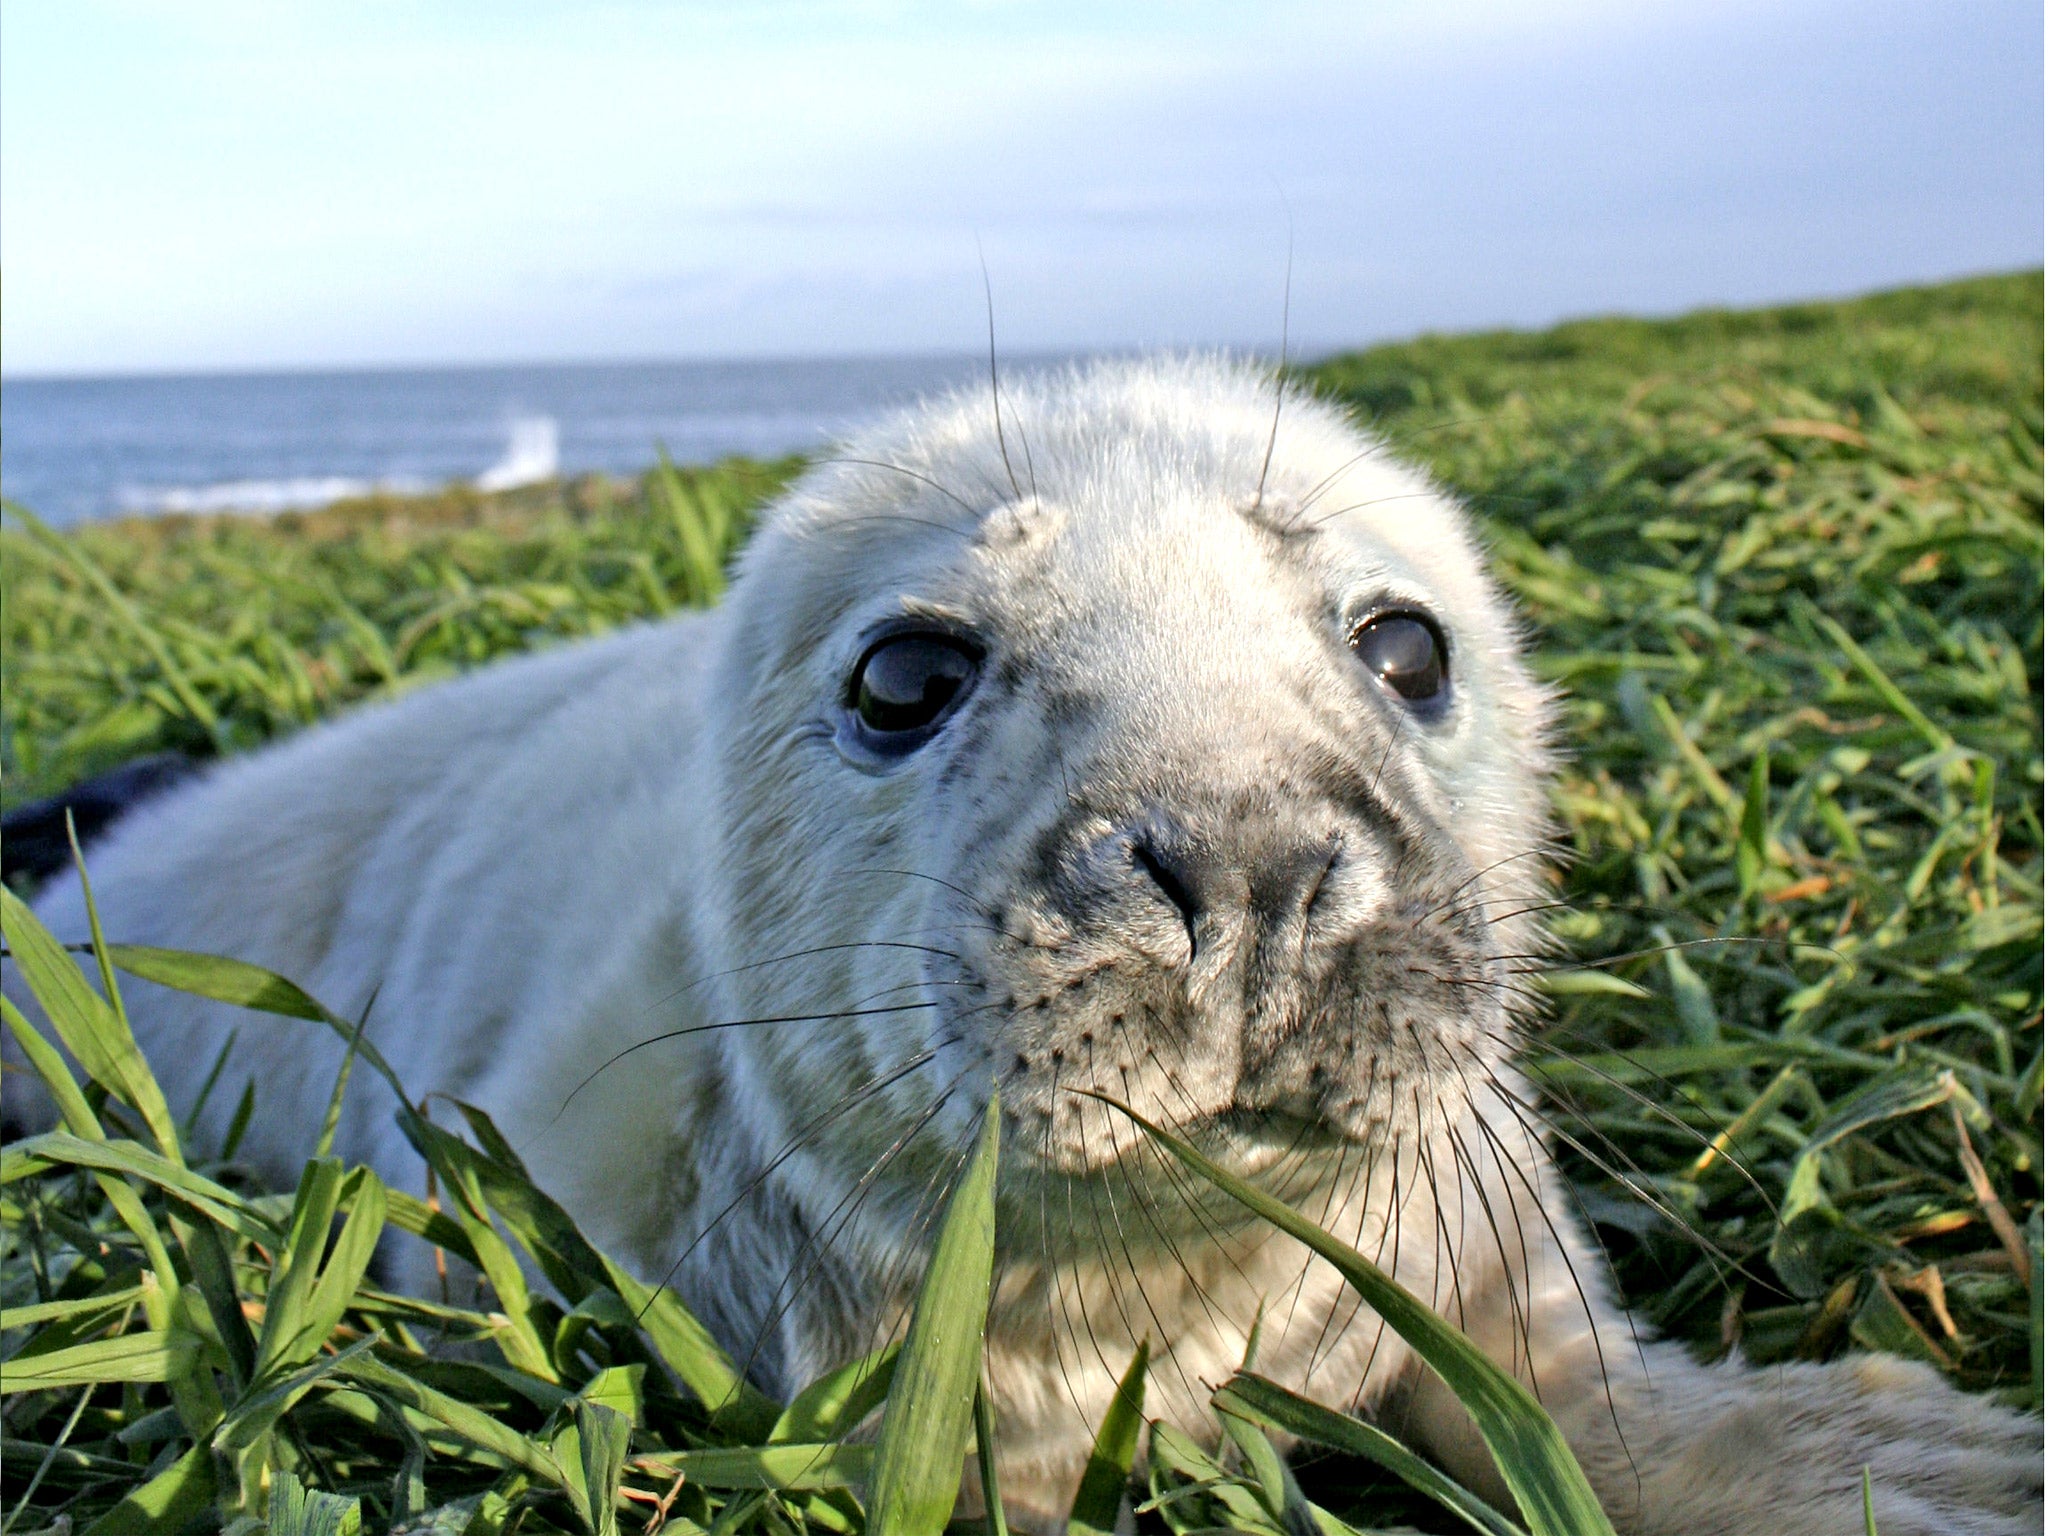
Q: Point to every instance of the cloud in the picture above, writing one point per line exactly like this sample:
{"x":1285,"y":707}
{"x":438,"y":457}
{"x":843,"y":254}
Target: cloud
{"x":293,"y":184}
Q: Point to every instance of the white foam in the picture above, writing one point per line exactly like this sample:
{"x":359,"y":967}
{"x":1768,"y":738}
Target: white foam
{"x":295,"y":494}
{"x":533,"y":452}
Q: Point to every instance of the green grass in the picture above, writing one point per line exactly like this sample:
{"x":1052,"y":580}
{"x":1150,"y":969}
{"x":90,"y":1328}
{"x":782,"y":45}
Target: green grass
{"x":1785,"y":568}
{"x":235,"y":630}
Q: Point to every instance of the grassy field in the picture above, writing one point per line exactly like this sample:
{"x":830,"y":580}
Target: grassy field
{"x":1785,"y":568}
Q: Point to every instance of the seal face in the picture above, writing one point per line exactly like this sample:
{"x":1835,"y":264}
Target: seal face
{"x":1214,"y":797}
{"x":1161,"y":743}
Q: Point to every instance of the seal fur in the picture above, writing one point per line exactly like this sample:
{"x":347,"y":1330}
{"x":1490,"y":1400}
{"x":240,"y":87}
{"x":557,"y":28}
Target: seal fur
{"x":1175,"y":847}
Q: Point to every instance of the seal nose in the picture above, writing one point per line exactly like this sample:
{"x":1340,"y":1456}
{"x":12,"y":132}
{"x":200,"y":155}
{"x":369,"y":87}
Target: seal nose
{"x":1271,"y":879}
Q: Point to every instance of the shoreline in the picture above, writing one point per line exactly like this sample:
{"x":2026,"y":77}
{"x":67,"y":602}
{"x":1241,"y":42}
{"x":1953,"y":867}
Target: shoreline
{"x":457,"y":506}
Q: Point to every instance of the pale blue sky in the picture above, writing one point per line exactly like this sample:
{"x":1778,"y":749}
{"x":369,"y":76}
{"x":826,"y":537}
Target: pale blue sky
{"x":239,"y":184}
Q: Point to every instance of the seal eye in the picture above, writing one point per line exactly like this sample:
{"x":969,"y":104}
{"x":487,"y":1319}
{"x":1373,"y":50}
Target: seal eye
{"x":1405,"y":653}
{"x":907,"y":683}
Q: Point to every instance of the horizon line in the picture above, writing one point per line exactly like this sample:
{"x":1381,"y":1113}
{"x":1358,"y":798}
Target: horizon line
{"x":1057,"y":352}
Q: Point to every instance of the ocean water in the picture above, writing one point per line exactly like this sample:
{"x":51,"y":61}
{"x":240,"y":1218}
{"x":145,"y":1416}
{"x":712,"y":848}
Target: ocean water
{"x":73,"y":449}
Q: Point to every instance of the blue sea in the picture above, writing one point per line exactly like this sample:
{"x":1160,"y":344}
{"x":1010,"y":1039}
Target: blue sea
{"x":77,"y":448}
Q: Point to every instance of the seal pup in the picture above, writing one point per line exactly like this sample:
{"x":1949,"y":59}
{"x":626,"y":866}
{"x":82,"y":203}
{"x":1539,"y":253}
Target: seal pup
{"x":1169,"y":743}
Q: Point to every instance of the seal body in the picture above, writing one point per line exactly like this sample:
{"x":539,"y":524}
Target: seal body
{"x":1161,"y":741}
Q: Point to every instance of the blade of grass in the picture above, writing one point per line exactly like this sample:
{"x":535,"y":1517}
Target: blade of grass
{"x":98,"y":1035}
{"x":256,"y":1413}
{"x":245,"y":986}
{"x":95,"y":1034}
{"x":1270,"y":1477}
{"x":460,"y":1419}
{"x":921,"y":1454}
{"x":151,"y":1356}
{"x":1174,"y":1455}
{"x":59,"y":1149}
{"x":296,"y":1510}
{"x":1272,"y":1405}
{"x":331,"y":1123}
{"x":993,"y":1517}
{"x":837,"y":1401}
{"x":574,"y":1266}
{"x":167,"y":1502}
{"x":71,"y":554}
{"x":35,"y":1314}
{"x":1532,"y":1456}
{"x":788,"y":1468}
{"x":1108,"y":1473}
{"x":591,"y":1450}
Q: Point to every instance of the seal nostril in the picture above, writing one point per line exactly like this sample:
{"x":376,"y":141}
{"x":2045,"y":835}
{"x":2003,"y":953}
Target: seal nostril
{"x":1171,"y":882}
{"x":1322,"y":875}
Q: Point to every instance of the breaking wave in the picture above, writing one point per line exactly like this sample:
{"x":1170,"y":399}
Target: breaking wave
{"x":295,"y":494}
{"x":532,"y":453}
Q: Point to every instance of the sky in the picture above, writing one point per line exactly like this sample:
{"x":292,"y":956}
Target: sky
{"x":266,"y":183}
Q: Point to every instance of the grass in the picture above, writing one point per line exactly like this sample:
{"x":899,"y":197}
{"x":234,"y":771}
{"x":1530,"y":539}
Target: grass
{"x":1785,"y":567}
{"x":231,"y":630}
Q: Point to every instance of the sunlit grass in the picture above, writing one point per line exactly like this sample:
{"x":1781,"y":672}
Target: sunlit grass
{"x":1785,"y":569}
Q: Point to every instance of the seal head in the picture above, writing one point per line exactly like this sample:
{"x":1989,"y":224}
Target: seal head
{"x":1167,"y":748}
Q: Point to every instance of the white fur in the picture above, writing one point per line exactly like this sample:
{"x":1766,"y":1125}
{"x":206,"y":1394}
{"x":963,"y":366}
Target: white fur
{"x":546,"y":864}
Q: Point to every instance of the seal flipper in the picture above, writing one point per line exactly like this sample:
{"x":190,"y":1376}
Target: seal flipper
{"x":33,"y":841}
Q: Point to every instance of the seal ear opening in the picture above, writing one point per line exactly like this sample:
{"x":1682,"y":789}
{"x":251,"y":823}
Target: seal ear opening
{"x":34,"y":841}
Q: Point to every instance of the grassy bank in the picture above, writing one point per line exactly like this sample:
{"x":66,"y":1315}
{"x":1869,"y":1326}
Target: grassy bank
{"x":212,"y":634}
{"x":1785,"y":569}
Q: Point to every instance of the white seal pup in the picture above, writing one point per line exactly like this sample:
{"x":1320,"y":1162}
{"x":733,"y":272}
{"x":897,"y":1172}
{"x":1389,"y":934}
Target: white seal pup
{"x":1163,"y":739}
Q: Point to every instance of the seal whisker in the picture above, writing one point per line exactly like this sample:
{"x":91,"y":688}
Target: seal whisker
{"x":1102,"y":1359}
{"x":1030,"y":468}
{"x":1630,"y":1178}
{"x":1333,"y":1185}
{"x":1365,"y":1179}
{"x":1058,"y":1309}
{"x":1177,"y":1178}
{"x":1451,"y":897}
{"x":1442,"y":1248}
{"x":816,"y":1245}
{"x":699,"y":1029}
{"x":1652,"y":950}
{"x":959,"y":501}
{"x":915,"y":874}
{"x":1317,"y":491}
{"x":1086,"y":1316}
{"x":1521,"y":1346}
{"x":1119,"y":1164}
{"x":1168,"y":1338}
{"x":802,"y":1138}
{"x":1392,"y":1225}
{"x":946,"y":1172}
{"x":817,"y":1242}
{"x":995,"y":393}
{"x":1563,"y":1251}
{"x":1279,"y":374}
{"x":1389,"y":1226}
{"x":1372,"y":501}
{"x":1665,"y":1114}
{"x":799,"y":954}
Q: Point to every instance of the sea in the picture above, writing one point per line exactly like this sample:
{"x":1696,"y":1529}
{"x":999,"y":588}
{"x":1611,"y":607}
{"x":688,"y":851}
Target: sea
{"x":73,"y":449}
